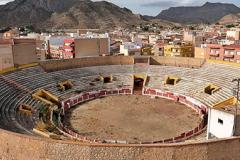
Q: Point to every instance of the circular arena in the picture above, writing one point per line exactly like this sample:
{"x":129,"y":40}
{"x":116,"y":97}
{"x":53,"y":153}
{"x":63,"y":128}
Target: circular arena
{"x":132,"y":119}
{"x":114,"y":108}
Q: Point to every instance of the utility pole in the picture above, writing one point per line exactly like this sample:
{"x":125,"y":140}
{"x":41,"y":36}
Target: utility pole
{"x":236,"y":93}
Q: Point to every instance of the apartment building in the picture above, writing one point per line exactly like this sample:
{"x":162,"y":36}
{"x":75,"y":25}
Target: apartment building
{"x":233,"y":34}
{"x":179,"y":50}
{"x":130,"y":49}
{"x":229,"y":53}
{"x":69,"y":49}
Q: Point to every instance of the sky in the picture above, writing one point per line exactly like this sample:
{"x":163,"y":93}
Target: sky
{"x":154,"y":7}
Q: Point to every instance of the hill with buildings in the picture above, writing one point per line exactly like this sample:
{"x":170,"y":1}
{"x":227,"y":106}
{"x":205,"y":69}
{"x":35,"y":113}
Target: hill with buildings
{"x":208,"y":13}
{"x":65,"y":14}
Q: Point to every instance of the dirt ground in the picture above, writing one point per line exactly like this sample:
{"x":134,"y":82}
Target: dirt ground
{"x":131,"y":118}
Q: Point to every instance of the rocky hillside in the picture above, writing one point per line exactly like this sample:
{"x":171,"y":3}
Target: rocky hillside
{"x":66,"y":14}
{"x":208,"y":13}
{"x":230,"y":19}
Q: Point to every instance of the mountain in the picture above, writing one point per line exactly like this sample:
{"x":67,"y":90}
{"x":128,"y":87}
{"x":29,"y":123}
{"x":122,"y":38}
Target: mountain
{"x":208,"y":13}
{"x":230,"y":19}
{"x":66,"y":14}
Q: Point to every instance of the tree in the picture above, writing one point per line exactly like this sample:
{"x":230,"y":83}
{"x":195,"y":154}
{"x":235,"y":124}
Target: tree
{"x":145,"y":28}
{"x":230,"y":25}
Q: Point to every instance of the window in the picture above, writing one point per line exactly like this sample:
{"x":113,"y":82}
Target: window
{"x":220,"y":121}
{"x":229,"y":52}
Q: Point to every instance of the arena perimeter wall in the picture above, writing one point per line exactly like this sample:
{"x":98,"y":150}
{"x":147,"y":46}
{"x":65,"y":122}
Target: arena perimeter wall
{"x":21,"y":147}
{"x":177,"y":61}
{"x":55,"y":65}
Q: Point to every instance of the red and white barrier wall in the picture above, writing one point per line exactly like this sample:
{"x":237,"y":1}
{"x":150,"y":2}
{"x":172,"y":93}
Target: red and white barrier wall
{"x":199,"y":107}
{"x":194,"y":104}
{"x":188,"y":101}
{"x":86,"y":96}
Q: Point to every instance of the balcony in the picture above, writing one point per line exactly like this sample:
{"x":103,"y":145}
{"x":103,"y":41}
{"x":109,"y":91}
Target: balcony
{"x":228,"y":55}
{"x":214,"y":54}
{"x":176,"y":53}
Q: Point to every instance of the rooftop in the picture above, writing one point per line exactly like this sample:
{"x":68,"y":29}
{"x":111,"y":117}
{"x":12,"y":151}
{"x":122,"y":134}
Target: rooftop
{"x":231,"y":109}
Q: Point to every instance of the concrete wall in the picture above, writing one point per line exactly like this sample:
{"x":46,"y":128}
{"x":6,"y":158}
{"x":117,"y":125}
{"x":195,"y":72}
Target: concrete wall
{"x":24,"y":53}
{"x":200,"y":52}
{"x":17,"y":52}
{"x":91,"y":47}
{"x":55,"y":65}
{"x":19,"y":147}
{"x":86,"y":62}
{"x":177,"y":61}
{"x":6,"y":57}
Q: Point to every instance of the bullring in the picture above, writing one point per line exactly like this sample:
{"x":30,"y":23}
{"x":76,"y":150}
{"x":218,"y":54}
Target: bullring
{"x":17,"y":88}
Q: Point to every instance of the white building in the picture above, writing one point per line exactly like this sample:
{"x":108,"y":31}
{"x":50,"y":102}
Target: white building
{"x":130,"y":48}
{"x":153,"y":39}
{"x":223,"y":122}
{"x":188,"y":36}
{"x":225,"y":42}
{"x":234,"y":33}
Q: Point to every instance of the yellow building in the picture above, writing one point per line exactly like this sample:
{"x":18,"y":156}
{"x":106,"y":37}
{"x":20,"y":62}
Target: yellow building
{"x":182,"y":50}
{"x":147,"y":51}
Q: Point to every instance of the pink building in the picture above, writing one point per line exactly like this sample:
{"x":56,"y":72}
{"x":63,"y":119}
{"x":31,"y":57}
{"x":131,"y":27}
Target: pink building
{"x":68,"y":49}
{"x":229,"y":53}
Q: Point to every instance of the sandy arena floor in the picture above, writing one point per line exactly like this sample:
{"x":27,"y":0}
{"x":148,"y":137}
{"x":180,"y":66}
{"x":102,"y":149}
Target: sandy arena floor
{"x":131,"y":118}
